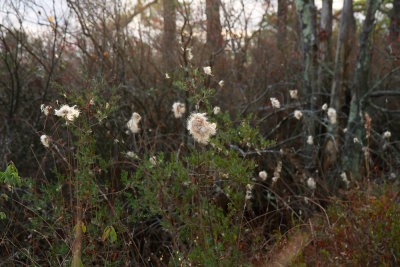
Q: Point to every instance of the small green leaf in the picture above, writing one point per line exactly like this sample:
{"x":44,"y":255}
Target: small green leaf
{"x":109,"y":232}
{"x":2,"y":215}
{"x":83,"y":227}
{"x":106,"y":233}
{"x":113,"y":235}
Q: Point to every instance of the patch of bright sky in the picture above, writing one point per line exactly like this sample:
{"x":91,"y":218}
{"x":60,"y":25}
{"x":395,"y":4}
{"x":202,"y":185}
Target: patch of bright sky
{"x":35,"y":14}
{"x":337,"y":4}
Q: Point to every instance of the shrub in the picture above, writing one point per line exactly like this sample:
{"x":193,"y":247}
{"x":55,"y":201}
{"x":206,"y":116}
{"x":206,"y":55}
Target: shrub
{"x":364,"y":230}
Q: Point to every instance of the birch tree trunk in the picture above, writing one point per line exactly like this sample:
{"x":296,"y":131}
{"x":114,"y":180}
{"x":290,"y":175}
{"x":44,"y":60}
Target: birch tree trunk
{"x":325,"y":44}
{"x":355,"y":126}
{"x":345,"y":43}
{"x":307,"y":15}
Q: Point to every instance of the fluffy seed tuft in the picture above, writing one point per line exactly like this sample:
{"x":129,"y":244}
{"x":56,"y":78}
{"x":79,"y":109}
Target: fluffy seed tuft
{"x":200,"y":128}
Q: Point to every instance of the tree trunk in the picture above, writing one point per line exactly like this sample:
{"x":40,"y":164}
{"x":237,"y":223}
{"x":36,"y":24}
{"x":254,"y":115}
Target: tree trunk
{"x":214,"y":37}
{"x":325,"y":44}
{"x":282,"y":15}
{"x":345,"y":43}
{"x":169,"y":40}
{"x":355,"y":125}
{"x":344,"y":46}
{"x":307,"y":14}
{"x":394,"y":35}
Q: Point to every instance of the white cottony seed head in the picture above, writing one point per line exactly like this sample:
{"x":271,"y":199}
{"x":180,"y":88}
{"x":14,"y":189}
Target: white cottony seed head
{"x":293,"y":94}
{"x":387,"y":135}
{"x":332,"y":115}
{"x":311,"y":183}
{"x":179,"y":109}
{"x":207,"y":70}
{"x":45,"y":140}
{"x":132,"y":124}
{"x":275,"y":102}
{"x":310,"y":140}
{"x":45,"y":109}
{"x":67,"y":112}
{"x":298,"y":114}
{"x":263,"y":175}
{"x":200,"y":128}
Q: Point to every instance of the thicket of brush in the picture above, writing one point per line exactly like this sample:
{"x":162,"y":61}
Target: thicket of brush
{"x":292,"y":175}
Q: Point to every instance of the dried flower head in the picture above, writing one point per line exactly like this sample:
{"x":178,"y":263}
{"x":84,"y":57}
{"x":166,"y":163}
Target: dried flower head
{"x":311,"y":183}
{"x":67,"y":112}
{"x":387,"y":134}
{"x":275,"y":102}
{"x":179,"y":109}
{"x":216,"y":110}
{"x":249,"y":194}
{"x":45,"y":140}
{"x":221,"y":83}
{"x":207,"y":70}
{"x":345,"y":130}
{"x":45,"y":109}
{"x":200,"y":128}
{"x":324,"y":106}
{"x":356,"y":141}
{"x":277,"y":172}
{"x":167,"y":76}
{"x":132,"y":124}
{"x":344,"y":178}
{"x":263,"y":175}
{"x":298,"y":114}
{"x":332,"y":115}
{"x":131,"y":154}
{"x":153,"y":160}
{"x":310,"y":140}
{"x":189,"y":54}
{"x":293,"y":94}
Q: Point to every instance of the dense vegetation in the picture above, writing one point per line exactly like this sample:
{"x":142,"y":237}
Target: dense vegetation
{"x":166,"y":133}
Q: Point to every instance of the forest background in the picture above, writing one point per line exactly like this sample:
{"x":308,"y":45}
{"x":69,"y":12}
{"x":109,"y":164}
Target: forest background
{"x":199,"y":133}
